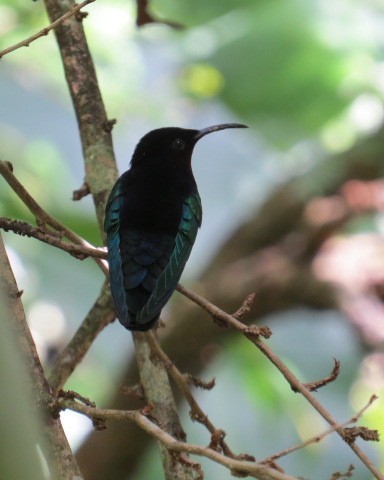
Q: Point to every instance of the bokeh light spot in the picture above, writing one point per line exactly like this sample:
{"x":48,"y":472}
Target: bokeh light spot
{"x":203,"y":80}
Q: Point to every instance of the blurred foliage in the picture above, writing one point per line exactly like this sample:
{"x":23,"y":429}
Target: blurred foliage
{"x":284,"y":65}
{"x":288,"y":67}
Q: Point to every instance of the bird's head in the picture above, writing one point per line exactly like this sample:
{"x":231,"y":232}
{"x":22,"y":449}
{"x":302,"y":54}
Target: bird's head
{"x":172,"y":144}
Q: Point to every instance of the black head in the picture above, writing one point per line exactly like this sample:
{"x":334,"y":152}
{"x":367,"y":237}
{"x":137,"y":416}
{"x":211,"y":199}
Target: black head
{"x":172,"y":144}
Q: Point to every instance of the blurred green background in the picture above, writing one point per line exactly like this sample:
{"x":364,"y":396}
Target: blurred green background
{"x":308,"y":79}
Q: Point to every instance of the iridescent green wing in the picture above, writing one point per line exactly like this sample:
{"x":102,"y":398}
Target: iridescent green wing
{"x":169,"y":278}
{"x":111,"y":227}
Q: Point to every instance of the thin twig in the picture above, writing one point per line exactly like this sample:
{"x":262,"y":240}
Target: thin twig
{"x":347,"y":474}
{"x":315,"y":385}
{"x":229,"y":320}
{"x":289,"y":376}
{"x":245,"y":307}
{"x":320,"y":436}
{"x":81,"y":192}
{"x":44,"y":32}
{"x":256,"y":470}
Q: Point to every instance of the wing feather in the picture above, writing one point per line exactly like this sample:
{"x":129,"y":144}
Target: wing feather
{"x":145,"y":268}
{"x":111,"y":227}
{"x":169,"y":278}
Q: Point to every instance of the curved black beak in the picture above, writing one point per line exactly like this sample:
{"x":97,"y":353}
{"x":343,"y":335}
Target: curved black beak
{"x":216,"y":128}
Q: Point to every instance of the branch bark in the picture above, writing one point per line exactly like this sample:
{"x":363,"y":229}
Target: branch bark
{"x":101,"y":173}
{"x":157,"y":389}
{"x":25,"y":229}
{"x":61,"y":462}
{"x":96,"y":138}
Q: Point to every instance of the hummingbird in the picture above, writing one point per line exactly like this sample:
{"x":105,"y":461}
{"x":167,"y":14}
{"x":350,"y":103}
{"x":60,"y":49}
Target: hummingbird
{"x":151,"y":221}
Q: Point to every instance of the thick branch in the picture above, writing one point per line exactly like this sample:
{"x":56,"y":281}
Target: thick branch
{"x":61,"y":460}
{"x":100,"y":166}
{"x":196,"y":413}
{"x":158,"y":393}
{"x":101,"y":173}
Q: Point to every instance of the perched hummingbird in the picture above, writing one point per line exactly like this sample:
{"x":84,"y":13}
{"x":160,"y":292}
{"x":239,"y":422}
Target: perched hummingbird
{"x":151,"y":221}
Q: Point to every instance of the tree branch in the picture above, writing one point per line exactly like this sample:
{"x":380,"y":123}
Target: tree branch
{"x":101,"y":174}
{"x":100,"y":166}
{"x":320,"y":436}
{"x":196,"y":413}
{"x":158,"y":393}
{"x":315,"y":385}
{"x":44,"y":32}
{"x":261,"y":472}
{"x":60,"y":459}
{"x":42,"y":217}
{"x":143,"y":17}
{"x":254,"y":336}
{"x":25,"y":229}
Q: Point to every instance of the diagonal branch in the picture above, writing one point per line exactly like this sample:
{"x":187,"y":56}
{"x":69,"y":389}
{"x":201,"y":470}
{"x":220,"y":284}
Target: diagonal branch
{"x":44,"y":32}
{"x":42,"y":217}
{"x":25,"y":229}
{"x":295,"y":383}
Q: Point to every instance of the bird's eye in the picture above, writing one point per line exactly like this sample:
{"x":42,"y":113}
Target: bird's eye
{"x":178,"y":144}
